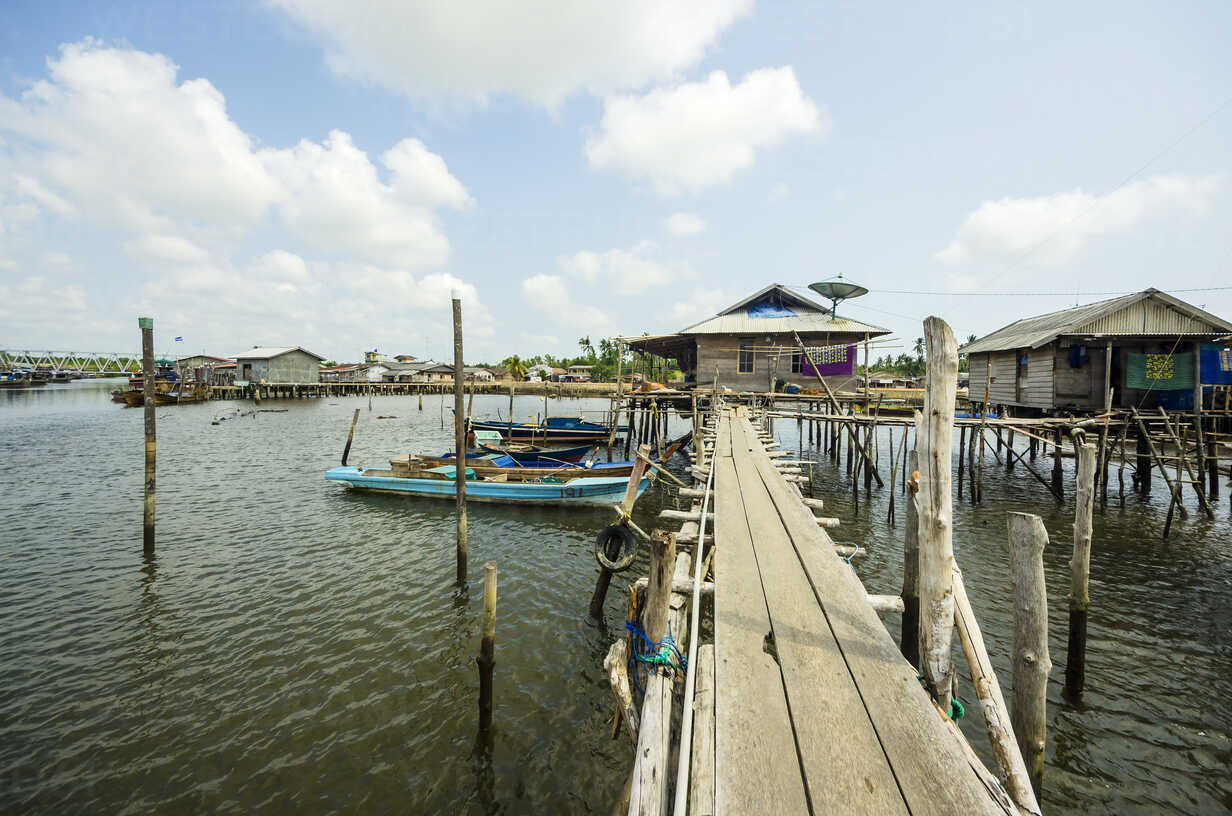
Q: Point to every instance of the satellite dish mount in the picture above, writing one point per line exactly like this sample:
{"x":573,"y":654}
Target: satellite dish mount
{"x":837,"y":290}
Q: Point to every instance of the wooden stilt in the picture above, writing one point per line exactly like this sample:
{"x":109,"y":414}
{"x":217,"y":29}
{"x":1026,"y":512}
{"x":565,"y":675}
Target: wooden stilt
{"x":1031,"y":663}
{"x":487,"y":647}
{"x":148,"y":376}
{"x":909,"y":640}
{"x":346,"y":450}
{"x":459,"y":435}
{"x":1080,"y":572}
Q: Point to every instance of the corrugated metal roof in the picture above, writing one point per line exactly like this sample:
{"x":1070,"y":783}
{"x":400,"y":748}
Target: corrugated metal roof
{"x":1147,"y":312}
{"x":810,"y":317}
{"x":266,"y":353}
{"x":741,"y":323}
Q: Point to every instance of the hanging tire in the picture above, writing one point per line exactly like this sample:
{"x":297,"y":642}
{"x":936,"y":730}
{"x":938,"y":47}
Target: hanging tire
{"x":615,"y":548}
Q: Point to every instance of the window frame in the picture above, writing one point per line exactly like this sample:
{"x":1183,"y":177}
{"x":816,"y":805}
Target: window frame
{"x":741,"y":351}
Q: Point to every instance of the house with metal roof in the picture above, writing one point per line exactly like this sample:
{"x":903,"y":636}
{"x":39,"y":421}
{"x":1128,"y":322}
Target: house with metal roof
{"x":291,"y":364}
{"x":1147,"y":349}
{"x":759,"y":343}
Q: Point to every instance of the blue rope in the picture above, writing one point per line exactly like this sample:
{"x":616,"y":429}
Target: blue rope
{"x":654,"y":655}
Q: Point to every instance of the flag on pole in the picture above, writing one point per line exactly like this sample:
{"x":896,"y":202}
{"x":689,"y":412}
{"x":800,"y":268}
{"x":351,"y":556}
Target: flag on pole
{"x":178,"y":339}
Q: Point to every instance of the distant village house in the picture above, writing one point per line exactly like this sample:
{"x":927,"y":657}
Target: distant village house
{"x":278,"y":365}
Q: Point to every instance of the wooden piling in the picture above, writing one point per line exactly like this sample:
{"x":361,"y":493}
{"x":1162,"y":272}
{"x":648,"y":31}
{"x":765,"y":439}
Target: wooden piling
{"x":148,"y":376}
{"x":909,"y":640}
{"x":1057,"y":473}
{"x":487,"y":646}
{"x":346,"y":450}
{"x":626,"y":507}
{"x":1031,"y":663}
{"x":962,"y":457}
{"x":935,"y":440}
{"x":1080,"y":572}
{"x":459,"y":436}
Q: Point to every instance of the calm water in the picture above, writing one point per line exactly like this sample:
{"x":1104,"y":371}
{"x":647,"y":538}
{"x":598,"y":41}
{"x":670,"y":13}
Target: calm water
{"x":296,"y":645}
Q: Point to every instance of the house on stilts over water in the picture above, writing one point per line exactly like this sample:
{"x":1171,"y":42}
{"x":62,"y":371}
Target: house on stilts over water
{"x":1146,"y":350}
{"x":756,"y":344}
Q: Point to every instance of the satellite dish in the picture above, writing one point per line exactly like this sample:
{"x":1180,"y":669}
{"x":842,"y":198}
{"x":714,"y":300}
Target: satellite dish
{"x":836,"y":290}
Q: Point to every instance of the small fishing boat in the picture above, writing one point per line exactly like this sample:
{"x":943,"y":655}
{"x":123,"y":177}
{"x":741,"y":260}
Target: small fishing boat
{"x":14,"y":380}
{"x":552,"y":429}
{"x":528,"y":455}
{"x":439,"y":483}
{"x":497,"y":465}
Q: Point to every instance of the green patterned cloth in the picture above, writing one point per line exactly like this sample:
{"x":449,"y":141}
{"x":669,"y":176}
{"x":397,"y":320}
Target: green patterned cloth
{"x":1160,"y":372}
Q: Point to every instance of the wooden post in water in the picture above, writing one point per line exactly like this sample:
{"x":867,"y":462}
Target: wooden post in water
{"x":962,"y":457}
{"x":1031,"y":664}
{"x":487,"y":646}
{"x":148,"y":375}
{"x":626,"y":507}
{"x":346,"y":450}
{"x":909,"y":641}
{"x":979,"y":487}
{"x":935,"y":441}
{"x":459,"y":437}
{"x":1058,"y":486}
{"x":1080,"y":572}
{"x":509,"y":437}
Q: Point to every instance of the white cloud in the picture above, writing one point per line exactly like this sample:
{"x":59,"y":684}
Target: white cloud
{"x":538,"y":49}
{"x":682,"y":223}
{"x":625,"y":271}
{"x":1053,"y":228}
{"x":550,"y":294}
{"x":218,"y":228}
{"x":699,"y":134}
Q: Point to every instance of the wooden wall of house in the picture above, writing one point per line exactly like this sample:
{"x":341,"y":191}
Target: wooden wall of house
{"x":1004,"y":370}
{"x":723,"y":350}
{"x":1040,"y":369}
{"x":1081,"y":387}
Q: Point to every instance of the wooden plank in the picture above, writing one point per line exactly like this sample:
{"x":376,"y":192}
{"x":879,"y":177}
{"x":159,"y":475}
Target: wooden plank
{"x":701,"y":768}
{"x":845,"y":768}
{"x":929,"y":763}
{"x":756,"y":766}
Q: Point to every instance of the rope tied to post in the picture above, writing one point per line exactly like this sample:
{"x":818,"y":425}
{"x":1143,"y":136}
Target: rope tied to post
{"x":958,"y":709}
{"x":654,"y":655}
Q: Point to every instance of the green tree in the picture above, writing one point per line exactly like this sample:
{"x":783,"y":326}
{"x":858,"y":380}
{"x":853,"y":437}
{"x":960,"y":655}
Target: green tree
{"x":517,"y":368}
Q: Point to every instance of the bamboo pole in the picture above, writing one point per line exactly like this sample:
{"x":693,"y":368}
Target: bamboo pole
{"x":459,"y":435}
{"x":1031,"y":663}
{"x":909,"y":640}
{"x":487,"y":647}
{"x":346,"y":450}
{"x":1010,"y":763}
{"x":936,"y":511}
{"x":1080,"y":572}
{"x":149,"y":374}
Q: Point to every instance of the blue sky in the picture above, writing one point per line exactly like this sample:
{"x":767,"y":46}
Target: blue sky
{"x":296,"y":172}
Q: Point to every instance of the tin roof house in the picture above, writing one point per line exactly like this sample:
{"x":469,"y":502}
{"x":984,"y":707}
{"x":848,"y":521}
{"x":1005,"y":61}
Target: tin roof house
{"x":753,"y":344}
{"x":1147,"y":349}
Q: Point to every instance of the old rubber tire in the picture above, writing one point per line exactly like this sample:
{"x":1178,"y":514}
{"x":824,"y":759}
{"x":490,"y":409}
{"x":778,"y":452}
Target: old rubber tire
{"x":615,"y":547}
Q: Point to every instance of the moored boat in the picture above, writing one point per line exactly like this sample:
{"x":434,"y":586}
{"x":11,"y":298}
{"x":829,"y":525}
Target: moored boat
{"x":439,"y":483}
{"x":536,"y":454}
{"x":552,"y":429}
{"x":498,"y":465}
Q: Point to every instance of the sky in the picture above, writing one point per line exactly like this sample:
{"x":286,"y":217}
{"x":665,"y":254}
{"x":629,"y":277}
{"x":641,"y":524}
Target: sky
{"x":325,"y":173}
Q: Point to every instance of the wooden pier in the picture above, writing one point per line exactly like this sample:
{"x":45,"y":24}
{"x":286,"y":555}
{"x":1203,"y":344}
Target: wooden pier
{"x":816,"y":709}
{"x":803,"y":704}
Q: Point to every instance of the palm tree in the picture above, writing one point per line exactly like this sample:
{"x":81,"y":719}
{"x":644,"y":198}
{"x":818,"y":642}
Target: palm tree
{"x":517,"y":368}
{"x":584,"y":344}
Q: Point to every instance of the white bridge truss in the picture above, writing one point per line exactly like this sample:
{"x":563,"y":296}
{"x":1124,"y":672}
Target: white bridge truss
{"x":100,"y":361}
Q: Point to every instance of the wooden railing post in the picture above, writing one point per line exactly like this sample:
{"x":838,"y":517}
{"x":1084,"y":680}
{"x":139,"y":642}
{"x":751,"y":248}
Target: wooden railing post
{"x":936,"y":511}
{"x":909,"y":640}
{"x":1031,"y":663}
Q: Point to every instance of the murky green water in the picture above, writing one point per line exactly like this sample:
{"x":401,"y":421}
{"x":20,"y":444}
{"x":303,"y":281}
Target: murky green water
{"x":296,"y":646}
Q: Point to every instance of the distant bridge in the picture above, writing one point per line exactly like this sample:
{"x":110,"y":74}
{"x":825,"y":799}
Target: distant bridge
{"x":102,"y":362}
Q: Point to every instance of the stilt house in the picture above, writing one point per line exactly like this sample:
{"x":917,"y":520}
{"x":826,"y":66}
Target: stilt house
{"x":1147,"y":350}
{"x":753,"y":344}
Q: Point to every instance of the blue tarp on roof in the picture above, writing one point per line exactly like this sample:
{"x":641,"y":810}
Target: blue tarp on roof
{"x":766,"y":308}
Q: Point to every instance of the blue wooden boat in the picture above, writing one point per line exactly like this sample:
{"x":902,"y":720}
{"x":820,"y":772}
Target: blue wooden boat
{"x":531,"y":457}
{"x":553,"y":429}
{"x":439,"y":483}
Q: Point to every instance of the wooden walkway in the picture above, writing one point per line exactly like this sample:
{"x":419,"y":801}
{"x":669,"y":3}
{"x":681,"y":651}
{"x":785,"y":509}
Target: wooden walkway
{"x":816,"y":711}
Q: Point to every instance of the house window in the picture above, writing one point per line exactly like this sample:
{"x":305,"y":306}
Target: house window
{"x":796,"y":361}
{"x":745,"y":361}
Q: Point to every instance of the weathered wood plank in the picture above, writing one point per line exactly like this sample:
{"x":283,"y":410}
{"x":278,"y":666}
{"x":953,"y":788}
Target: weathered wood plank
{"x":929,"y":763}
{"x":701,"y":769}
{"x":756,"y":766}
{"x":844,"y":766}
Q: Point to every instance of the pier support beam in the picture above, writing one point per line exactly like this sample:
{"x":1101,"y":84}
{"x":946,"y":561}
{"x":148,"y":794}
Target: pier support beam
{"x":148,"y":382}
{"x":1080,"y":573}
{"x":459,"y":436}
{"x":1031,"y":663}
{"x":936,"y":512}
